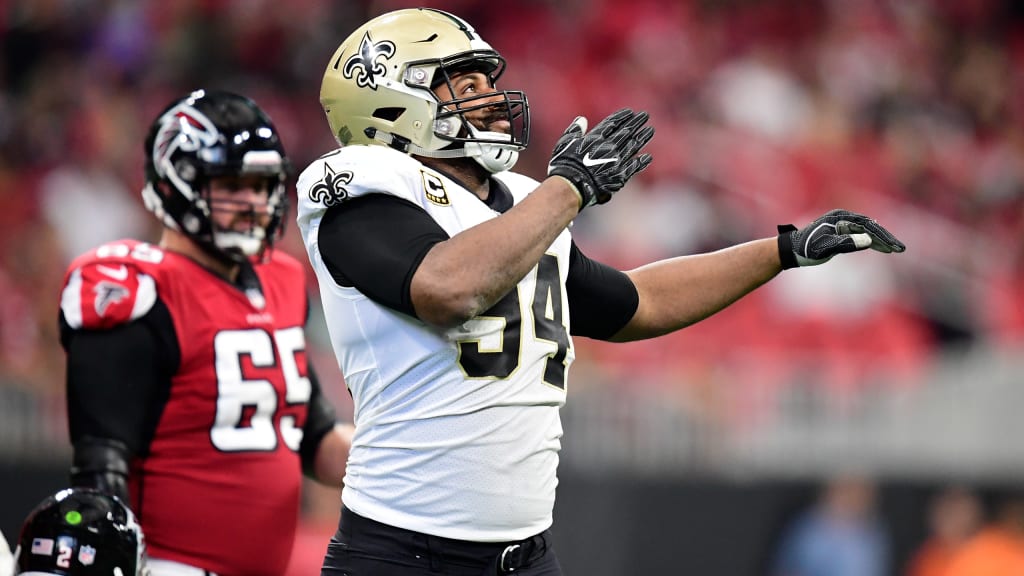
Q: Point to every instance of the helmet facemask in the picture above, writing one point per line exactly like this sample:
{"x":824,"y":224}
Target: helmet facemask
{"x":259,"y":219}
{"x":494,"y":150}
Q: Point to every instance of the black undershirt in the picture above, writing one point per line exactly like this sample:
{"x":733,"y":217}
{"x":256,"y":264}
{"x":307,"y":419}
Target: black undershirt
{"x":376,"y":242}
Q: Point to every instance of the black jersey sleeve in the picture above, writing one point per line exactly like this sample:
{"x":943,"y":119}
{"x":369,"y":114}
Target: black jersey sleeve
{"x":601,"y":299}
{"x":392,"y":235}
{"x":119,"y":380}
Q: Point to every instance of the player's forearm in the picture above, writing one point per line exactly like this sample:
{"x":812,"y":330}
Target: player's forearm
{"x":678,"y":292}
{"x":332,"y":455}
{"x":101,"y":463}
{"x":467,"y":274}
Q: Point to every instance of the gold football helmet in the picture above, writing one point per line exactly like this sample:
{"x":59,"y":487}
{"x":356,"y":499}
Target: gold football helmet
{"x":378,"y":89}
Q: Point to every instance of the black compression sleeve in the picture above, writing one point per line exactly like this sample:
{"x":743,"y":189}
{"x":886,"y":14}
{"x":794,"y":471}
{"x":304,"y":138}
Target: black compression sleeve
{"x":118,"y":380}
{"x":320,"y":419}
{"x":392,"y":235}
{"x":601,"y":299}
{"x":101,"y":463}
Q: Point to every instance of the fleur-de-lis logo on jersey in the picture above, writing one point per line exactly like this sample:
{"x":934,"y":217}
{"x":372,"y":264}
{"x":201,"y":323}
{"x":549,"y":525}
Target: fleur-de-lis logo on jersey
{"x":364,"y":65}
{"x":330,"y":190}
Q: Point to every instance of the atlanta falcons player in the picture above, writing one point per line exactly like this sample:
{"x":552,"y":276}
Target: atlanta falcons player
{"x":189,"y":393}
{"x":452,"y":288}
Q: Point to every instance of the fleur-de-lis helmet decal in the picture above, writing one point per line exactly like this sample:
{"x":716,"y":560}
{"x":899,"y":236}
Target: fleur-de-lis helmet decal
{"x":365,"y":64}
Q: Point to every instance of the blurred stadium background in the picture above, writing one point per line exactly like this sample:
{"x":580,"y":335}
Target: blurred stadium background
{"x":906,"y":371}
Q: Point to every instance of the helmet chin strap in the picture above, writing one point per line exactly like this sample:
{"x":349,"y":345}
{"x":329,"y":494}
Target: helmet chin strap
{"x":494,"y":157}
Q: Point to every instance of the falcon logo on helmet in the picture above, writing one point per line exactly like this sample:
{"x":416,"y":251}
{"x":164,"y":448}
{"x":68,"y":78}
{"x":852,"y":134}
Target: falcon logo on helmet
{"x":181,"y":128}
{"x":364,"y":63}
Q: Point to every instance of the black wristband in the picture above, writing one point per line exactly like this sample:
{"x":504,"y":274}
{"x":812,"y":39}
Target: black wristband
{"x":786,"y":254}
{"x":579,"y":178}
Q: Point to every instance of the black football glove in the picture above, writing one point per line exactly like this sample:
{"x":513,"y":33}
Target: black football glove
{"x":834,"y":233}
{"x":600,"y":162}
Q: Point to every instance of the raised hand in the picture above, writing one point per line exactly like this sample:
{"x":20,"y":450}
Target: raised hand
{"x":600,"y":162}
{"x":836,"y":232}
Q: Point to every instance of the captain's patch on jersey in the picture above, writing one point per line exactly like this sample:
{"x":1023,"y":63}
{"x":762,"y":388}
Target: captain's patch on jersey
{"x":433,"y":188}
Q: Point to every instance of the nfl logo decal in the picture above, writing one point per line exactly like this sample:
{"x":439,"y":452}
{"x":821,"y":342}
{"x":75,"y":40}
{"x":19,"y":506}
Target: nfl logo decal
{"x":87,"y":555}
{"x":42,"y":546}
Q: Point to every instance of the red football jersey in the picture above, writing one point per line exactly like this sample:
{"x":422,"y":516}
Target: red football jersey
{"x":220,"y":485}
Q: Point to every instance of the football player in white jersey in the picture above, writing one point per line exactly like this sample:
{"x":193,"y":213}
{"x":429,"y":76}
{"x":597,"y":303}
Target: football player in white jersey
{"x":452,"y":288}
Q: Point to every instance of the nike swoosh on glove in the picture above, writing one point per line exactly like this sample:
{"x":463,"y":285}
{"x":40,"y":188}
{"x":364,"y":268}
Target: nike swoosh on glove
{"x":837,"y":232}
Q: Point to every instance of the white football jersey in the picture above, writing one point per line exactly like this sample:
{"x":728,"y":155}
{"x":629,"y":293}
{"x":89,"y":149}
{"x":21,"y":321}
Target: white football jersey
{"x":457,"y":431}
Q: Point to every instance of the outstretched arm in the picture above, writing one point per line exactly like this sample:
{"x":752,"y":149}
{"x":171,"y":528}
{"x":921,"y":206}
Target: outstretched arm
{"x":678,"y":292}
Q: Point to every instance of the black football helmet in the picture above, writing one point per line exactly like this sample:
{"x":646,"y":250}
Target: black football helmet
{"x":81,"y":532}
{"x":206,"y":135}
